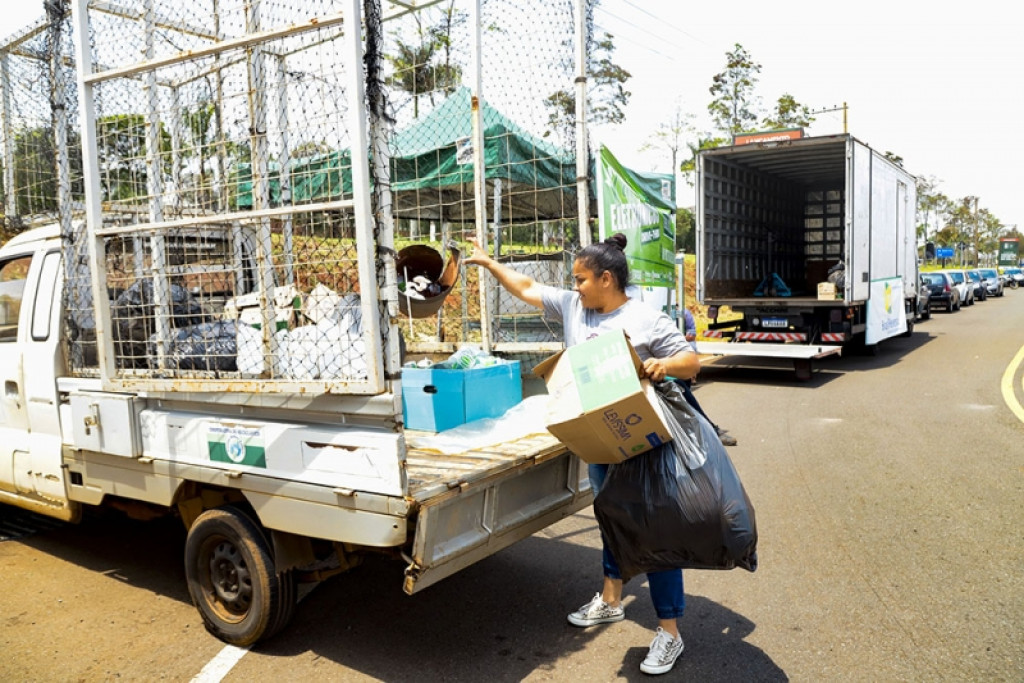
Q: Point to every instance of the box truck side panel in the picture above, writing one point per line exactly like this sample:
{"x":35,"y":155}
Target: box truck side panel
{"x":886,"y":243}
{"x":858,"y":266}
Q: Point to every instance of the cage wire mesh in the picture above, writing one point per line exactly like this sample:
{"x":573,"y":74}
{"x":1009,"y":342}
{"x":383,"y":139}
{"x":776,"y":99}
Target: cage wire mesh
{"x":526,"y":70}
{"x":224,"y":162}
{"x":39,"y":111}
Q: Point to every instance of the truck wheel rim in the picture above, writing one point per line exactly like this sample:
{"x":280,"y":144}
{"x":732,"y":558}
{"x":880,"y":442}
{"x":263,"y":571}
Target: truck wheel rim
{"x":229,"y":581}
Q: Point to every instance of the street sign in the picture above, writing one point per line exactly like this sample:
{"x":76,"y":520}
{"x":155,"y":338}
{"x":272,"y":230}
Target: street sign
{"x":944,"y":252}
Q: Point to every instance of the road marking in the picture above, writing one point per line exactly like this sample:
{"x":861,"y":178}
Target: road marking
{"x":1007,"y":385}
{"x":218,"y":667}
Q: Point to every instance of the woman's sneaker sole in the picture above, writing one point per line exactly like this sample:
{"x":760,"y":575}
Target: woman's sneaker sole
{"x":594,"y":621}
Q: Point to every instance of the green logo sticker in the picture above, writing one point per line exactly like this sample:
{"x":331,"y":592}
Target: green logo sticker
{"x":236,"y":445}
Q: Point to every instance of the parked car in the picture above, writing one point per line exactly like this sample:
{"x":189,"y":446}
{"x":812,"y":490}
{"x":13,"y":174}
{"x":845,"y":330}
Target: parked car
{"x":963,"y":285}
{"x":924,"y":301}
{"x":980,"y":290}
{"x":993,"y":283}
{"x":942,"y":290}
{"x":1014,"y":276}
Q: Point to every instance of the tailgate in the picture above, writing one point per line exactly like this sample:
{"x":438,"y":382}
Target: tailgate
{"x":474,"y":504}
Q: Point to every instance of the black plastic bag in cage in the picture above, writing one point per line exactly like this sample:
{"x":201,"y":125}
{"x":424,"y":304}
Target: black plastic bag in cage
{"x":133,"y":316}
{"x":678,"y":506}
{"x":206,"y":346}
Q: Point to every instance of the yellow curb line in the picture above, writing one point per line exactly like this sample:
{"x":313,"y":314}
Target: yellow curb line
{"x":1007,"y":385}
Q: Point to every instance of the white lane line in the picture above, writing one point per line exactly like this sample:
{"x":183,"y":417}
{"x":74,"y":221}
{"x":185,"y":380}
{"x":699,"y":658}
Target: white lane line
{"x":218,"y":667}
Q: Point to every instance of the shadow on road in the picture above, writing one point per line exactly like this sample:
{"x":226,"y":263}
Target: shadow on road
{"x":502,"y":619}
{"x":148,"y":555}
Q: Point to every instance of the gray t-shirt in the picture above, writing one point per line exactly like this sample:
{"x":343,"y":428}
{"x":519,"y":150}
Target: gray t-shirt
{"x":650,"y":332}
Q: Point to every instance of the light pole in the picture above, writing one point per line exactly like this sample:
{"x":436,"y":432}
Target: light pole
{"x":976,"y":263}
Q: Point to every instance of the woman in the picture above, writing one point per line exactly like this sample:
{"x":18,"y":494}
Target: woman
{"x":598,"y":303}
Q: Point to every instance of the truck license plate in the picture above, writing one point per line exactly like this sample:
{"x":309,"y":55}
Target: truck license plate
{"x":774,"y":322}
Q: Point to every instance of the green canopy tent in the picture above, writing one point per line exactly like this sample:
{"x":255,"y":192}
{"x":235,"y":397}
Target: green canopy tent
{"x":432,"y":167}
{"x":317,"y":178}
{"x":432,"y":170}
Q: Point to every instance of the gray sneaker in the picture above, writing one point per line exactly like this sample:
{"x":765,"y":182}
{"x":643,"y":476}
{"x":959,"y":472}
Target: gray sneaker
{"x":664,"y":652}
{"x":597,"y":611}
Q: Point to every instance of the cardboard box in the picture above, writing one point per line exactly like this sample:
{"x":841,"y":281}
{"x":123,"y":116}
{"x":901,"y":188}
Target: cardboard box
{"x":826,"y":291}
{"x":436,"y":399}
{"x":598,"y":406}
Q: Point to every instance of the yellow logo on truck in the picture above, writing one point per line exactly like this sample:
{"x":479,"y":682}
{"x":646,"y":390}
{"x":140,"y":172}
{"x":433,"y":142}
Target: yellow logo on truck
{"x":888,"y":298}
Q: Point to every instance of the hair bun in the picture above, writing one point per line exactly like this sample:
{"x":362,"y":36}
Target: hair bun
{"x":617,"y":240}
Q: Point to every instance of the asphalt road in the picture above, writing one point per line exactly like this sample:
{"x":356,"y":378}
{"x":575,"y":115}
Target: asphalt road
{"x":889,"y":496}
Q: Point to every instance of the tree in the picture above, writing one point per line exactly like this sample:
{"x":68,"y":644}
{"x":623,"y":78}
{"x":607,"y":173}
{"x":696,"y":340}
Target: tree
{"x":669,"y":136}
{"x":198,"y":122}
{"x":122,"y":162}
{"x":706,"y":141}
{"x":894,"y":158}
{"x":35,"y":170}
{"x":788,"y":113}
{"x":931,"y":203}
{"x":424,"y":66}
{"x":686,"y":230}
{"x":607,"y":95}
{"x":734,"y":109}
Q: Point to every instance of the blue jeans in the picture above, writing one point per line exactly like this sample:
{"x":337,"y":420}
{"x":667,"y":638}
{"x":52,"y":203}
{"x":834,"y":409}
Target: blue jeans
{"x":666,"y":587}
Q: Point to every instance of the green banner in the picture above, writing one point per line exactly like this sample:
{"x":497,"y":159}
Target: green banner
{"x":1009,"y":251}
{"x":647,"y":219}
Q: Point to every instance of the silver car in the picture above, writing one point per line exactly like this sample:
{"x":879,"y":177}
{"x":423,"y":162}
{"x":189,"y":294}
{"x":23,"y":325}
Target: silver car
{"x":993,"y":283}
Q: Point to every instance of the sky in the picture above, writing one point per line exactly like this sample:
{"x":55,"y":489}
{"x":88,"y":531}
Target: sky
{"x":939,"y":84}
{"x":941,"y":87}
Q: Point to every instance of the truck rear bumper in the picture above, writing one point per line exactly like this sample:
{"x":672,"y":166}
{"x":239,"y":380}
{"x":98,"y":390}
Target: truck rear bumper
{"x":768,"y":350}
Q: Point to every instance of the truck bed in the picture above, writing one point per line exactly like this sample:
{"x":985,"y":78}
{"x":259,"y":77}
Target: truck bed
{"x":431,"y":473}
{"x":473,"y":504}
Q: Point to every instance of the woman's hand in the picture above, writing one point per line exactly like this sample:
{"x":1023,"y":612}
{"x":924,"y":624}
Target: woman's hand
{"x":683,"y":365}
{"x":655,"y":369}
{"x":479,"y":257}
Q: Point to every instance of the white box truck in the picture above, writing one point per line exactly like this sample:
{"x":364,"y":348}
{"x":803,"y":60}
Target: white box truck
{"x":779,"y":223}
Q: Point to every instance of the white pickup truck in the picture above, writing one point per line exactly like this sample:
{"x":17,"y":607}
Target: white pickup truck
{"x":274,"y":488}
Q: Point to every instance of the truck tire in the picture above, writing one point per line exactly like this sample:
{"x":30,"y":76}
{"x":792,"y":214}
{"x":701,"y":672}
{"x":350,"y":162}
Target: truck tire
{"x":231,"y":578}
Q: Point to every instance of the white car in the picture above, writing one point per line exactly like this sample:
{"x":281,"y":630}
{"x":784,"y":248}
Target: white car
{"x":1013,"y":276}
{"x":963,"y":285}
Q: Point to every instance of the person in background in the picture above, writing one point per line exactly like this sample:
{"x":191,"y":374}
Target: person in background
{"x":598,"y":303}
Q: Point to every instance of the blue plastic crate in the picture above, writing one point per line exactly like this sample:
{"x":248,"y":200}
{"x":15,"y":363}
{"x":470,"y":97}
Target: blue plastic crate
{"x":438,"y":399}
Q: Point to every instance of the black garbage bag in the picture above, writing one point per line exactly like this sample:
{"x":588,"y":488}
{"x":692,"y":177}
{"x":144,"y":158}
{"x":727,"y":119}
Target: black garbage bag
{"x":133,"y":315}
{"x":206,"y":346}
{"x":680,"y":505}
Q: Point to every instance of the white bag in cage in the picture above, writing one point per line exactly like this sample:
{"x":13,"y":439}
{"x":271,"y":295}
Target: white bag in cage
{"x":250,"y":352}
{"x":301,"y":353}
{"x":323,"y":304}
